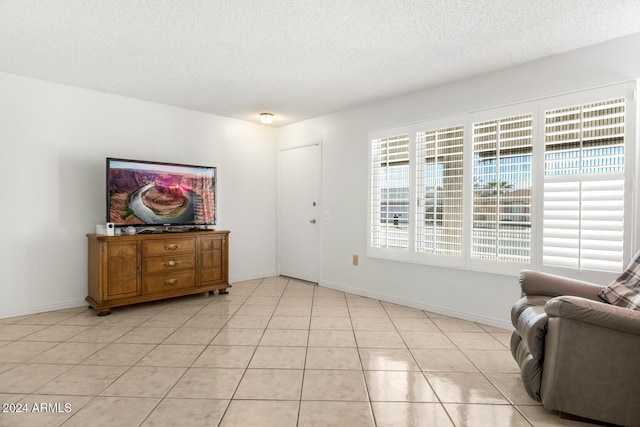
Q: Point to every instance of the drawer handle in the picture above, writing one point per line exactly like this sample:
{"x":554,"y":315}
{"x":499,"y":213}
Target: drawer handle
{"x":171,"y":247}
{"x":171,"y":281}
{"x":171,"y":263}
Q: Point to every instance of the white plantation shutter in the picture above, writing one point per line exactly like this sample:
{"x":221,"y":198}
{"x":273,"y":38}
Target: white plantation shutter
{"x":584,"y":186}
{"x":544,"y":184}
{"x":502,"y":159}
{"x":390,"y":193}
{"x":439,"y":174}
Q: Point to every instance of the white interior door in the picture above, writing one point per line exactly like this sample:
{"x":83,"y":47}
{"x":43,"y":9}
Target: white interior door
{"x":299,"y":207}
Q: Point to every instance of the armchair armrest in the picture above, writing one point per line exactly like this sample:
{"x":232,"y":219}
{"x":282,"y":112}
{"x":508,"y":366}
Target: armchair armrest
{"x":595,"y":313}
{"x":538,"y":283}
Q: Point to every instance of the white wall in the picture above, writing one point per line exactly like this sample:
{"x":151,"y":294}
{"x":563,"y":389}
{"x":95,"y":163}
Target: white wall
{"x":476,"y":296}
{"x":54,"y":141}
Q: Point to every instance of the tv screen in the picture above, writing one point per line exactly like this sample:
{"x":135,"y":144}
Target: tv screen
{"x":153,"y":193}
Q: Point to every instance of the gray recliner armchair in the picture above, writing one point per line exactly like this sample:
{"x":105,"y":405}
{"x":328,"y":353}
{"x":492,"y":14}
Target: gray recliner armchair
{"x":578,"y":355}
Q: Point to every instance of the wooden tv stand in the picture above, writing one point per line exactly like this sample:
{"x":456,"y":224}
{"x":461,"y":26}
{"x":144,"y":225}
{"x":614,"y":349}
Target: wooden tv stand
{"x":127,"y":270}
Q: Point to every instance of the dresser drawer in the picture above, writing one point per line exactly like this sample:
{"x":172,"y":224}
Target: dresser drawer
{"x":155,"y":283}
{"x":162,"y":264}
{"x":168,"y":247}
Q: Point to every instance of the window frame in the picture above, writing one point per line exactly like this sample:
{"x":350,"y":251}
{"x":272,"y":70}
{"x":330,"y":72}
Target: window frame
{"x":536,"y":108}
{"x":447,"y":154}
{"x":491,"y":265}
{"x":386,"y":253}
{"x":442,"y":260}
{"x":631,"y":239}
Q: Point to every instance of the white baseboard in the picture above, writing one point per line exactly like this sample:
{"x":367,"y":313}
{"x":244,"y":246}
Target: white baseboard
{"x":356,"y":291}
{"x":421,"y":306}
{"x":43,"y":308}
{"x":255,"y":276}
{"x":79,"y":303}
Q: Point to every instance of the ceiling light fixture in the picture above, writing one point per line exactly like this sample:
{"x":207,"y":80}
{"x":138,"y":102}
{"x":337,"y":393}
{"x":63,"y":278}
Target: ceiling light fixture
{"x":266,"y":118}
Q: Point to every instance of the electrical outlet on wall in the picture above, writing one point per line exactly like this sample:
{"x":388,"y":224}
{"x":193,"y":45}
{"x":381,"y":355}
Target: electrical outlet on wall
{"x":355,"y":259}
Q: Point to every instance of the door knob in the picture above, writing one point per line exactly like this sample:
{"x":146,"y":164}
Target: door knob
{"x":313,"y":221}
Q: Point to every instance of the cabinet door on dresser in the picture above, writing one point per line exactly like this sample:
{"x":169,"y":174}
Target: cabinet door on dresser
{"x":212,"y":262}
{"x":122,"y":272}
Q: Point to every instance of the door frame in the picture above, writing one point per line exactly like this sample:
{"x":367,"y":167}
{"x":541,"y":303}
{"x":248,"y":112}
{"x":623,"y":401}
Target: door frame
{"x":319,"y":221}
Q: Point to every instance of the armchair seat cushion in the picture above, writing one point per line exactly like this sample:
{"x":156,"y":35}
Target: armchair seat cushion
{"x":625,"y":290}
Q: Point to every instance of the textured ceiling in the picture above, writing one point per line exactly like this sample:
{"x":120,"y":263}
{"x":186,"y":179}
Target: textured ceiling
{"x":295,"y":58}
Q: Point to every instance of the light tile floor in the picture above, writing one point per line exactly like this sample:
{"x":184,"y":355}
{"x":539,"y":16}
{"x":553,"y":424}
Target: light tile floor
{"x":272,"y":352}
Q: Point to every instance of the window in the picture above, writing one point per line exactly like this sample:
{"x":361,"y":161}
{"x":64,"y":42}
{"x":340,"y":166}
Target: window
{"x":584,"y":186}
{"x":501,"y":228}
{"x":542,"y":185}
{"x":390,"y":193}
{"x":439,"y":169}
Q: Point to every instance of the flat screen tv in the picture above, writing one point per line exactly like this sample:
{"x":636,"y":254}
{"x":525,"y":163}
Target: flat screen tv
{"x":147,"y":193}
